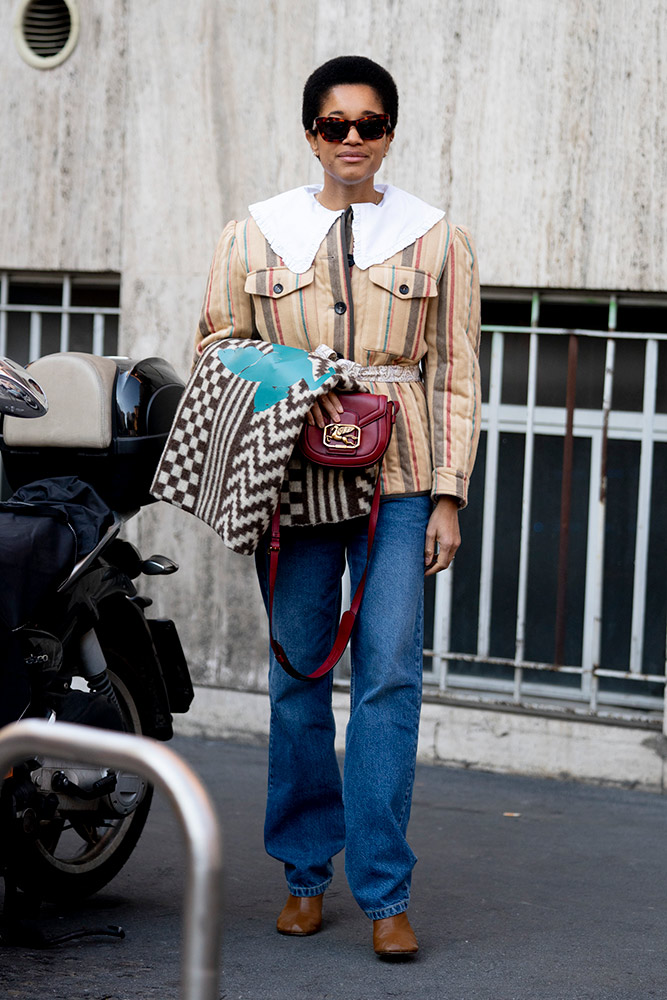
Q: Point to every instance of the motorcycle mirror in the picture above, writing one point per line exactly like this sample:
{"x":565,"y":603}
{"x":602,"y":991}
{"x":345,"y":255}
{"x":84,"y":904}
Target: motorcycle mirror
{"x":157,"y":565}
{"x":20,"y":395}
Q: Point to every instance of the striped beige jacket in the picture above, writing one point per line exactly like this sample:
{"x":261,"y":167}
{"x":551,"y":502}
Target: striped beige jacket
{"x":420,"y":306}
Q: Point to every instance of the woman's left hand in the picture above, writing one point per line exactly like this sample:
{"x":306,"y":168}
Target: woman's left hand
{"x":442,"y":533}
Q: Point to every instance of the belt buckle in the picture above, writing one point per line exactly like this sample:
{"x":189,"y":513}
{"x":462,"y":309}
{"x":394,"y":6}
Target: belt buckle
{"x":342,"y":437}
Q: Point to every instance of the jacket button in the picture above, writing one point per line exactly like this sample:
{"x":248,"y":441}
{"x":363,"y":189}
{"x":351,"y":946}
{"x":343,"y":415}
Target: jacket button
{"x":403,"y":289}
{"x":278,"y":289}
{"x":340,"y":308}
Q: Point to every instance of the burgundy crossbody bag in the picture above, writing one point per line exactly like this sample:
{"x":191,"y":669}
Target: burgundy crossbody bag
{"x":358,"y":441}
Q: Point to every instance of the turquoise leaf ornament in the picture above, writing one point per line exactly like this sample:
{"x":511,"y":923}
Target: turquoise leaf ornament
{"x":274,"y":372}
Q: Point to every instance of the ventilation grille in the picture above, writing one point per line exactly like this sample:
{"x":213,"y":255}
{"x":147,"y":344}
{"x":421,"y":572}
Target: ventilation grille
{"x":47,"y":25}
{"x":46,"y":31}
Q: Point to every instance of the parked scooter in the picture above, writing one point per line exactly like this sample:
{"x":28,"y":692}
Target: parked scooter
{"x":75,"y":642}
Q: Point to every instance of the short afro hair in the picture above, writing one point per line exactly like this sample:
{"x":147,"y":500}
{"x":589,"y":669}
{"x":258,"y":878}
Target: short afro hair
{"x":348,"y":69}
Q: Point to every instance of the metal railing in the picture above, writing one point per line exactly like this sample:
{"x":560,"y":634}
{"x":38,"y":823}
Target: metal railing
{"x":581,"y":680}
{"x":193,"y":808}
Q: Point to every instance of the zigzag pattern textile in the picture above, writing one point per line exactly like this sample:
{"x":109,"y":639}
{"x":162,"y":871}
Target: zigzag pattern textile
{"x":230,"y":456}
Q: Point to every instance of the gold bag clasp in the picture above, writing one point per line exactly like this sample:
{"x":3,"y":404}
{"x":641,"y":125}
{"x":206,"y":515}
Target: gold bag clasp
{"x":342,"y":437}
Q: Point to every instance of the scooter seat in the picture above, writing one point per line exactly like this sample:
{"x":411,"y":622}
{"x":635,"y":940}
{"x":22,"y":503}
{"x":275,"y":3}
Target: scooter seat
{"x":79,"y":390}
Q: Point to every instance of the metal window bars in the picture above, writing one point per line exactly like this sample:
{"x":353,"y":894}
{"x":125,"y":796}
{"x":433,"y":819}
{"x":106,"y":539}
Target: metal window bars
{"x":95,"y":317}
{"x":200,"y":964}
{"x":532,"y":421}
{"x":472,"y":669}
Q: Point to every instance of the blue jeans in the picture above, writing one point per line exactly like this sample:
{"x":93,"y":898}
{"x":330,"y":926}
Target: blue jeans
{"x":311,"y":814}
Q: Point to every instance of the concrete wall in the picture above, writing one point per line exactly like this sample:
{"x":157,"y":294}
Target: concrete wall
{"x":477,"y":738}
{"x":540,"y":125}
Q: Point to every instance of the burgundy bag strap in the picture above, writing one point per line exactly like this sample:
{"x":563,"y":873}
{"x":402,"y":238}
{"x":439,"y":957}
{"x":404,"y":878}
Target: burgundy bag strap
{"x":348,"y":619}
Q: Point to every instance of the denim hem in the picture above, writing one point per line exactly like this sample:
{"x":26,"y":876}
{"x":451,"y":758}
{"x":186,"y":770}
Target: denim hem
{"x":388,"y":911}
{"x":309,"y":890}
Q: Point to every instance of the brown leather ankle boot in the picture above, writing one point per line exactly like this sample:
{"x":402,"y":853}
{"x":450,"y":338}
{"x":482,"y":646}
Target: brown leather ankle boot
{"x":301,"y":915}
{"x":393,"y":937}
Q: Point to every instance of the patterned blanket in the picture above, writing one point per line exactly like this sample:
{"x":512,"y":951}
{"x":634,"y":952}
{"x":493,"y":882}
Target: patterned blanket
{"x":230,"y":456}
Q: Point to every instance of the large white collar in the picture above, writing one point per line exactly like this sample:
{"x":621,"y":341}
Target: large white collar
{"x":294,"y":224}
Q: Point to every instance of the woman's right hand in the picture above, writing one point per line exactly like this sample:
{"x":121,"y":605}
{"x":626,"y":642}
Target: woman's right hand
{"x":326,"y":410}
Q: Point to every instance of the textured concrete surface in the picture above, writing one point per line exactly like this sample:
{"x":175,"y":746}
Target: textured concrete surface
{"x":539,"y":125}
{"x":524,"y":889}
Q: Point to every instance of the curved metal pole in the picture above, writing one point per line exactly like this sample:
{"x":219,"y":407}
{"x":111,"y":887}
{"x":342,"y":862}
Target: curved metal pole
{"x":202,"y":912}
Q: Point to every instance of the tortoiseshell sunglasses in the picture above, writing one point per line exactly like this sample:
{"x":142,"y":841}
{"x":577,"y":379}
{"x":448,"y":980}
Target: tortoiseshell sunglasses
{"x":336,"y":129}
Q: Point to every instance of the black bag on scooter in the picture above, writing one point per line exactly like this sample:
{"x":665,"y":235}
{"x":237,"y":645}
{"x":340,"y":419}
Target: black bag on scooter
{"x":44,"y":528}
{"x":37,"y":552}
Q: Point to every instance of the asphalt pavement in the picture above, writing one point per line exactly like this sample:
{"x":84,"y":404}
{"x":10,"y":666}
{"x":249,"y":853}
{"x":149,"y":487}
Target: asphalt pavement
{"x":525,"y":890}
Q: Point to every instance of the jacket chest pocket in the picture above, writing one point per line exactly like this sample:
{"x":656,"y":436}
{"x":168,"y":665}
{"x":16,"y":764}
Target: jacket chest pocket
{"x":399,"y":298}
{"x":276,"y":293}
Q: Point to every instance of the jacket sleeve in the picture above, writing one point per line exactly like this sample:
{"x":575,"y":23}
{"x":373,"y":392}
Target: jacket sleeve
{"x":227,"y":308}
{"x":452,"y":370}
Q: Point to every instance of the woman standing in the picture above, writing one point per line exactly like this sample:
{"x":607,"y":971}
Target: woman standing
{"x":387,"y":282}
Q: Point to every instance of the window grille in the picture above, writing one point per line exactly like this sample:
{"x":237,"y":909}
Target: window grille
{"x":43,"y":313}
{"x":557,"y":598}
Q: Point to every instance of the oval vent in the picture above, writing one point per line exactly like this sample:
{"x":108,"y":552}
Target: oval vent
{"x":46,"y":31}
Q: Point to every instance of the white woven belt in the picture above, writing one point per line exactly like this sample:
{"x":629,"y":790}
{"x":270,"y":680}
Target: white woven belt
{"x":381,"y":373}
{"x":371,"y":373}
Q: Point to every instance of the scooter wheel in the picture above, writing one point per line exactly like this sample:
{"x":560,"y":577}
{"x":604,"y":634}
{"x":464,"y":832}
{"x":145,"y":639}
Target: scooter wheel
{"x":75,"y":856}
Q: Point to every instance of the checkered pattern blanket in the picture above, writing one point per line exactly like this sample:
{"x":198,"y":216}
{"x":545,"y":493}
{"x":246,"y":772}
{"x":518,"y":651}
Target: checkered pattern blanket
{"x":230,"y":456}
